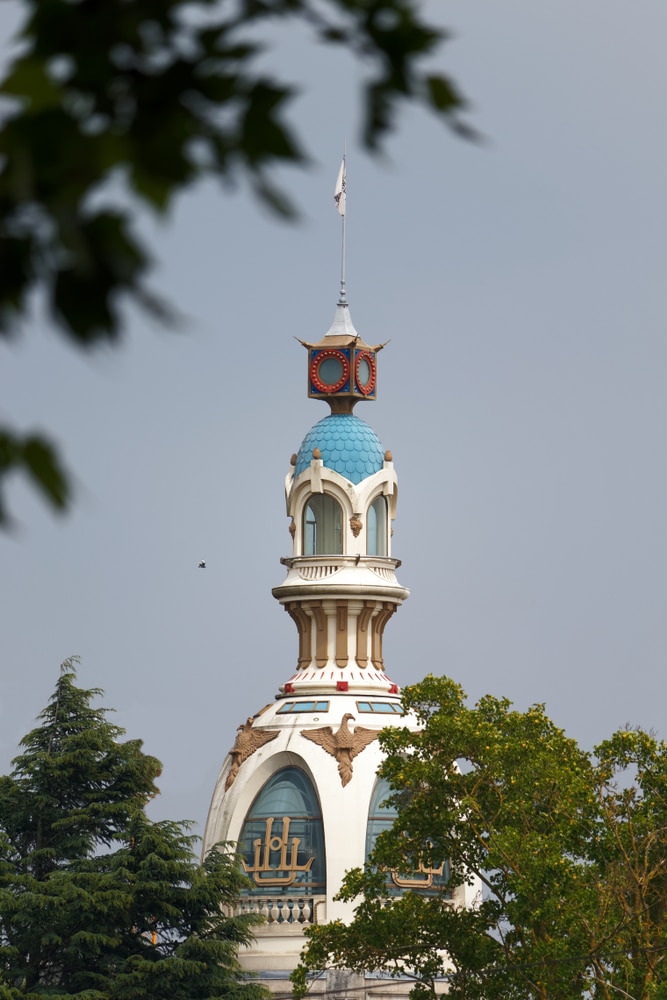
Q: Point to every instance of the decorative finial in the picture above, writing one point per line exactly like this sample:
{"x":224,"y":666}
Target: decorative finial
{"x":341,"y":365}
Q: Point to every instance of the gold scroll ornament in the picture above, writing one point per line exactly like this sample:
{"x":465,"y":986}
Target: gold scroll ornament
{"x":262,"y":866}
{"x":411,"y":882}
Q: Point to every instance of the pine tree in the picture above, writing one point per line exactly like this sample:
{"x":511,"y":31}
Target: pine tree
{"x":96,"y":900}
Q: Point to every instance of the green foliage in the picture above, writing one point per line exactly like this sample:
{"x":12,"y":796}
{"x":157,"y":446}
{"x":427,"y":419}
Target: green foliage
{"x":96,"y":901}
{"x":569,"y":847}
{"x":35,"y":457}
{"x":160,"y":95}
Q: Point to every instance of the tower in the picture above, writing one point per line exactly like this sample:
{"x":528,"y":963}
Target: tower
{"x":299,"y":790}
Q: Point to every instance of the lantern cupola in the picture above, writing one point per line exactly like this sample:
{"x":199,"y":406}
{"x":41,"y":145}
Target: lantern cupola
{"x":342,"y":368}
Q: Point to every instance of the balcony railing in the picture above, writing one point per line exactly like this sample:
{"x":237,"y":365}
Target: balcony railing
{"x":281,"y":910}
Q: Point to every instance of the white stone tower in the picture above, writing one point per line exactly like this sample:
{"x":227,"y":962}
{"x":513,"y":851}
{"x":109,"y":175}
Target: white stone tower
{"x":299,"y":789}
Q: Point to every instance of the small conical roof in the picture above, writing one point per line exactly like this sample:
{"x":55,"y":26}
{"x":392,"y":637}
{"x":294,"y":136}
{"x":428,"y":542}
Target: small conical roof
{"x":342,"y":325}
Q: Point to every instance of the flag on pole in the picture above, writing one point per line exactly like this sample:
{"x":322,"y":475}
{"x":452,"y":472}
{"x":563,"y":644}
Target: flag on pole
{"x":339,"y":192}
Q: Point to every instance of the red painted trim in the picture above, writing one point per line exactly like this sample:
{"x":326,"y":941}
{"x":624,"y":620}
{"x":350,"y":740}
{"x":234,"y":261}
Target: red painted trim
{"x":370,"y":385}
{"x":315,"y":365}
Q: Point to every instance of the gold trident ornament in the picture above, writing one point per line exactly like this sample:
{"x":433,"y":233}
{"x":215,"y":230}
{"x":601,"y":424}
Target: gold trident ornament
{"x":271,"y":844}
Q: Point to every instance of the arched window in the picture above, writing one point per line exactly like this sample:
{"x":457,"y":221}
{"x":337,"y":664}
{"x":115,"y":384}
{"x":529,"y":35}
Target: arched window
{"x":380,"y":817}
{"x":322,"y":526}
{"x":376,"y":527}
{"x":282,"y":840}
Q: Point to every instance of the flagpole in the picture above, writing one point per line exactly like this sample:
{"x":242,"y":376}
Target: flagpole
{"x":340,"y":195}
{"x":342,"y":252}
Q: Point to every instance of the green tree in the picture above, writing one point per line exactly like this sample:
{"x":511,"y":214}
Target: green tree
{"x":96,"y":900}
{"x":158,"y":94}
{"x":569,"y":847}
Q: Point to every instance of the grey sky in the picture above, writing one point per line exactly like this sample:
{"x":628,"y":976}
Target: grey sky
{"x":522,"y":286}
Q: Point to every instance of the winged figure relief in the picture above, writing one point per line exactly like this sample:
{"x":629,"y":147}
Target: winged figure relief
{"x":344,"y":745}
{"x":247,"y":741}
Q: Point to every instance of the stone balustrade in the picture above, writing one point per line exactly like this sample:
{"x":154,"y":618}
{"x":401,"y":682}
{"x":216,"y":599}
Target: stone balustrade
{"x":280,"y":910}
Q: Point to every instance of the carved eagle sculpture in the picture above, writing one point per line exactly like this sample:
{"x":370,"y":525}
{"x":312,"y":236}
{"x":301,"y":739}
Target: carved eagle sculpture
{"x":343,"y":745}
{"x":247,"y":741}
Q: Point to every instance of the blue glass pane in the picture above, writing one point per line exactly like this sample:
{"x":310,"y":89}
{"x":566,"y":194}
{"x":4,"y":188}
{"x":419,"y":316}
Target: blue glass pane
{"x":289,"y":792}
{"x":386,"y":707}
{"x":376,"y":528}
{"x":379,"y":811}
{"x":322,"y":526}
{"x":303,"y":706}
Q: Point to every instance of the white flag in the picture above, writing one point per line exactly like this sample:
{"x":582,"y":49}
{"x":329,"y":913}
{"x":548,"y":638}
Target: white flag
{"x":339,"y":192}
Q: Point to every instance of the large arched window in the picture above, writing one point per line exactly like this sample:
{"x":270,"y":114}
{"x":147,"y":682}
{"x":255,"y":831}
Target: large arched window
{"x":322,"y":526}
{"x":381,"y":817}
{"x":376,"y":527}
{"x":282,"y":840}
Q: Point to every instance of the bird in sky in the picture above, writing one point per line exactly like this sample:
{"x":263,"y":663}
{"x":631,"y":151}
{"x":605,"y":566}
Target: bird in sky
{"x":202,"y":564}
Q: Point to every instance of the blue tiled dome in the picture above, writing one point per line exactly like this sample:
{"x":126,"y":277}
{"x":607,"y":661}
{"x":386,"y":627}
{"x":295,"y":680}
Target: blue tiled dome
{"x":347,"y":445}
